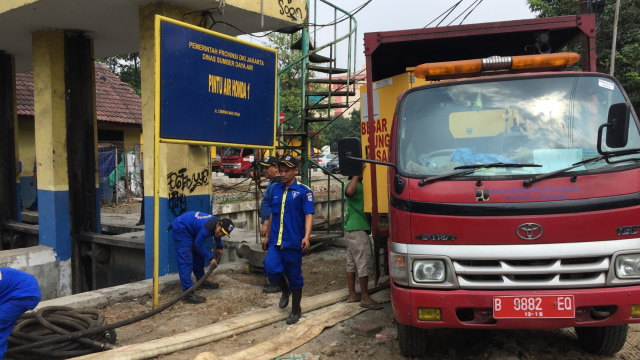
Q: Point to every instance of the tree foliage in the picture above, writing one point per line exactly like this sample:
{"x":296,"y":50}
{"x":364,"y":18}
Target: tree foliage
{"x":291,"y":80}
{"x":627,"y":59}
{"x":341,"y":127}
{"x":127,"y":67}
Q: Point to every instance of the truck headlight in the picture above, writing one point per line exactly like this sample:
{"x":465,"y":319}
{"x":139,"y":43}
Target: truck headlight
{"x":428,"y":271}
{"x":628,"y":266}
{"x":398,"y":268}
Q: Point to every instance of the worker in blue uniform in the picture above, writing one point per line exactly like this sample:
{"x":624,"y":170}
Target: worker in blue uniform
{"x":19,"y":292}
{"x":270,"y":170}
{"x":190,"y":232}
{"x":290,"y":222}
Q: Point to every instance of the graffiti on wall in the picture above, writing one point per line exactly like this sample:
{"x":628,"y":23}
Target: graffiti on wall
{"x":181,"y":184}
{"x":291,"y":11}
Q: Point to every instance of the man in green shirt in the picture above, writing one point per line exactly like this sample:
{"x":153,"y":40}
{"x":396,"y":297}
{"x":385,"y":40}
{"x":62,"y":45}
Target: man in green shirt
{"x":359,"y":259}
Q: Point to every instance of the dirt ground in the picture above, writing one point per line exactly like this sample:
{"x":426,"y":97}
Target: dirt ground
{"x":240,"y":292}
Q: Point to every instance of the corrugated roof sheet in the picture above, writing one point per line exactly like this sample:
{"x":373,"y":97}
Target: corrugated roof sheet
{"x":116,"y":102}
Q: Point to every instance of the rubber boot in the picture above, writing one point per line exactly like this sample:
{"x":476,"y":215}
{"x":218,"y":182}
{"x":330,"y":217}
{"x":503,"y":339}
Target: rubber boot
{"x":284,"y":299}
{"x":195,"y":299}
{"x":296,"y":311}
{"x":208,"y":284}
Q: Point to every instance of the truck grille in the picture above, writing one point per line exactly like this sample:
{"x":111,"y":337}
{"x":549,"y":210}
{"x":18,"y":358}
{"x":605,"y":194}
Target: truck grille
{"x":532,"y":274}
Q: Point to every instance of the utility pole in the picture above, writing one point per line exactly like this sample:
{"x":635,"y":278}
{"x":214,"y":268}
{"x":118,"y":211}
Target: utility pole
{"x":615,"y":36}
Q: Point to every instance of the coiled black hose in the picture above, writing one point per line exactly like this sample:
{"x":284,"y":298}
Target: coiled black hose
{"x":57,"y":332}
{"x":50,"y":321}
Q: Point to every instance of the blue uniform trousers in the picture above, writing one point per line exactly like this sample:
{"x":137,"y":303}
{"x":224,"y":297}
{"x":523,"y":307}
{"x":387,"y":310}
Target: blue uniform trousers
{"x":284,"y":261}
{"x":11,"y":311}
{"x":189,"y":260}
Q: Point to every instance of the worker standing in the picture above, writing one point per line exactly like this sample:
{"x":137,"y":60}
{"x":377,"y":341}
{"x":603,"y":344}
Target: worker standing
{"x":270,"y":170}
{"x":359,"y":259}
{"x":19,"y":292}
{"x":288,"y":240}
{"x":189,"y":232}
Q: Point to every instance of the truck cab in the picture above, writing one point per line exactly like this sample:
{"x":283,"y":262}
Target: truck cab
{"x":237,"y":162}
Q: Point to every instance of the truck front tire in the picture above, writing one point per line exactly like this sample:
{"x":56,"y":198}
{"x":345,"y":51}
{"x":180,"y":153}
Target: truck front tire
{"x":601,"y":340}
{"x":412,"y":341}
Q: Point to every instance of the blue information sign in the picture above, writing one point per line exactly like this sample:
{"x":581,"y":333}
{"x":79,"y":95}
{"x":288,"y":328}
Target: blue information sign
{"x":215,"y":88}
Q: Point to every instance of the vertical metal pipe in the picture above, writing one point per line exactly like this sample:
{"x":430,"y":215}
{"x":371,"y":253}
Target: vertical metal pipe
{"x":328,"y":202}
{"x":306,"y":175}
{"x":115,"y":177}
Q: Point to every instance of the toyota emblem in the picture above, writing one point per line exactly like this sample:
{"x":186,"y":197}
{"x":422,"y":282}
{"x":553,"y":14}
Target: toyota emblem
{"x":529,"y":231}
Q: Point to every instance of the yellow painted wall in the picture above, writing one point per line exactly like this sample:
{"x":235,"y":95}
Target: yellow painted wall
{"x":50,"y":109}
{"x":26,"y":146}
{"x":147,"y":83}
{"x":6,"y":5}
{"x":284,"y":10}
{"x":131,"y":136}
{"x":196,"y":175}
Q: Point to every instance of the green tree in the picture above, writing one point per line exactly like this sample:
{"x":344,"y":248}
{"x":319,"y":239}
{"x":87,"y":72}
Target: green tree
{"x":127,"y":67}
{"x":290,"y":80}
{"x":627,"y":61}
{"x":340,"y":128}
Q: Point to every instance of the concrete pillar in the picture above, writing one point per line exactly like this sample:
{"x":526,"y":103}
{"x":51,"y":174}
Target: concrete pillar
{"x":9,"y":175}
{"x":180,"y":165}
{"x":65,"y":137}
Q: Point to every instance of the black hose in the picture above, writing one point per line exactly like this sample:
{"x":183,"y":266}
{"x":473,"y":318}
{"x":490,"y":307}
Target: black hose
{"x":58,"y":332}
{"x":53,"y":320}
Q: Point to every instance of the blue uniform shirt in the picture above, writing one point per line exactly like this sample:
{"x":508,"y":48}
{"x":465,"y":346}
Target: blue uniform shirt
{"x":296,"y":202}
{"x":265,"y":204}
{"x":15,"y":284}
{"x":190,"y":226}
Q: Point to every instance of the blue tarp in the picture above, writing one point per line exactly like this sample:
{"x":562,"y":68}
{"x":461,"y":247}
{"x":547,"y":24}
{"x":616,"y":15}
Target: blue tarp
{"x":106,"y":162}
{"x":469,"y":156}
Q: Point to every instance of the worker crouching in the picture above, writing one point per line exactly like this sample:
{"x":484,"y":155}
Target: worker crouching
{"x":189,"y":232}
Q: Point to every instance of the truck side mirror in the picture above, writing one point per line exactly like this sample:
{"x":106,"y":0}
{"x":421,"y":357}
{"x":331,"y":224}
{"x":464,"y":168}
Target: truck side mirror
{"x":618,"y":125}
{"x":350,"y":147}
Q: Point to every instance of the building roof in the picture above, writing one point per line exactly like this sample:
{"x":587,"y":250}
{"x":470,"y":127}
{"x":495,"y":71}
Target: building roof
{"x":116,"y":102}
{"x":114,"y":25}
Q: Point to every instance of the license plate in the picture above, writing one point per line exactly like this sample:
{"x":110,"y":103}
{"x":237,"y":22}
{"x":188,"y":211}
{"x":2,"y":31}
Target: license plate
{"x":540,"y":306}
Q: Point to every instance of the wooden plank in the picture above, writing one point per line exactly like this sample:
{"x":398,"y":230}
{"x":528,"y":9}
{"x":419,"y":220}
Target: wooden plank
{"x":217,"y":331}
{"x":299,"y":334}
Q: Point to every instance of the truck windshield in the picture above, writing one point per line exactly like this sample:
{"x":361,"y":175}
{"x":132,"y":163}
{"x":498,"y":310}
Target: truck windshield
{"x":232,"y":151}
{"x":548,"y":121}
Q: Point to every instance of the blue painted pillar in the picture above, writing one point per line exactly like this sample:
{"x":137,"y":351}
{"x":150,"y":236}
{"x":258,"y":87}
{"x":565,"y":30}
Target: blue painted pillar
{"x":64,"y":106}
{"x":180,"y":165}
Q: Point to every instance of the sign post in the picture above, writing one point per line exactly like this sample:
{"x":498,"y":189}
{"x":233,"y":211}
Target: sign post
{"x":211,"y":90}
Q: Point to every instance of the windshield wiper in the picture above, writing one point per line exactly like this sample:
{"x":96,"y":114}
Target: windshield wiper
{"x":468,"y":169}
{"x":606,"y":157}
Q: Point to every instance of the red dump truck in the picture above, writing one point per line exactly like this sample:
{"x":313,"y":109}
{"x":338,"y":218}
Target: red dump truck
{"x":505,"y":188}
